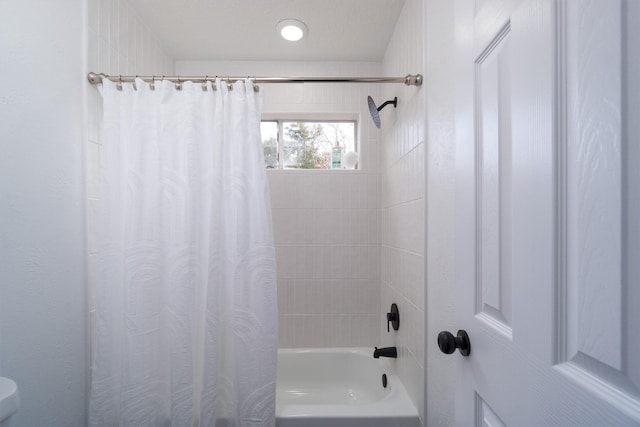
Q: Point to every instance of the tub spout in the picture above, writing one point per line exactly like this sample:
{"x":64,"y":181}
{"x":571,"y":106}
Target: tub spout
{"x":385,"y":352}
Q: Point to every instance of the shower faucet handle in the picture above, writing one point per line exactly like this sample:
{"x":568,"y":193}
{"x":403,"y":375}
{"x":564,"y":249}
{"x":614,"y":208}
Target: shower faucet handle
{"x":393,"y":318}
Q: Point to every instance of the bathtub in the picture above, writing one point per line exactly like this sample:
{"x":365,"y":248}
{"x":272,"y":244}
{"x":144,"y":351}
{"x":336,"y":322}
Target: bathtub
{"x":339,"y":387}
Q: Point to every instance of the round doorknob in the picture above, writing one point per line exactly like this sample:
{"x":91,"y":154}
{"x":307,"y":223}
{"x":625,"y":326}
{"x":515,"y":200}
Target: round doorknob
{"x":448,"y":343}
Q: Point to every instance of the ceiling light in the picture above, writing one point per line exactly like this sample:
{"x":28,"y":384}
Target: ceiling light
{"x":292,"y":29}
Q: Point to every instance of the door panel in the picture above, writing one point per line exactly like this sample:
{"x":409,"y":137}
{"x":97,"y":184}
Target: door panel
{"x":601,"y":198}
{"x":593,"y":170}
{"x":493,"y":157}
{"x":548,"y":212}
{"x":631,"y":183}
{"x":486,"y":417}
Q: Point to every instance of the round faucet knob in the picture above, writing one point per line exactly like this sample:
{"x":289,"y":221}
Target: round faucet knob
{"x":393,"y":318}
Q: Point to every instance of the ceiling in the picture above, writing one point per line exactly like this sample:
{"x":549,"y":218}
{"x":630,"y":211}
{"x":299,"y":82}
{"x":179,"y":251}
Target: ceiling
{"x":339,"y":30}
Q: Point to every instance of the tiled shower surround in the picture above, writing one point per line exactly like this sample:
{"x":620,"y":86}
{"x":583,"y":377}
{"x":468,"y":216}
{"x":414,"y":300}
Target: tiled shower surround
{"x":327,"y":238}
{"x":348,"y":243}
{"x":403,"y":203}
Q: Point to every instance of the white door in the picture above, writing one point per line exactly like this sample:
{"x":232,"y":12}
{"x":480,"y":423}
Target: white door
{"x":548,"y":212}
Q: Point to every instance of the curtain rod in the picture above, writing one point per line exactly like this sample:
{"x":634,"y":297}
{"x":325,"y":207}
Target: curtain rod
{"x":409,"y":79}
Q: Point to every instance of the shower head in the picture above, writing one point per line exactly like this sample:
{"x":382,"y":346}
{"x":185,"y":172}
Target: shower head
{"x":374,"y":110}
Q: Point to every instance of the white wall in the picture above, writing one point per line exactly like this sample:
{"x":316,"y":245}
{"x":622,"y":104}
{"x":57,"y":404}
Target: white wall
{"x":403,"y":202}
{"x":43,"y":343}
{"x":326,"y":223}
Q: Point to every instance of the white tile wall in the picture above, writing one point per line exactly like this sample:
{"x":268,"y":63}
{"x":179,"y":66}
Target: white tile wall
{"x":327,"y":227}
{"x":119,"y":43}
{"x":403,"y":203}
{"x":326,"y":223}
{"x":328,"y":257}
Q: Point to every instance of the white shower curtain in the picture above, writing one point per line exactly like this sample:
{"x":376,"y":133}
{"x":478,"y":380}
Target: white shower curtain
{"x":185,"y":330}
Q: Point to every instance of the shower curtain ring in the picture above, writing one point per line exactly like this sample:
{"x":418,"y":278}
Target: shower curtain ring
{"x":179,"y":84}
{"x":153,"y":82}
{"x":204,"y":83}
{"x":119,"y":83}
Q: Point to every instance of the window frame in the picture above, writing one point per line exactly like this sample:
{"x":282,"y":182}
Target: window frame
{"x":280,"y":119}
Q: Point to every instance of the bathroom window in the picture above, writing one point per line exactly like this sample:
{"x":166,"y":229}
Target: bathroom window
{"x":307,"y":144}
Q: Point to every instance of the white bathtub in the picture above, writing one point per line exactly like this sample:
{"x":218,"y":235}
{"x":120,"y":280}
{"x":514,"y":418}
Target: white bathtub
{"x":339,"y":387}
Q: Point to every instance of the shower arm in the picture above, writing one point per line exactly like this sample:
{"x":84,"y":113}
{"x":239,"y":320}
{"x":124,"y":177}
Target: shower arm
{"x":409,"y":79}
{"x":393,"y":101}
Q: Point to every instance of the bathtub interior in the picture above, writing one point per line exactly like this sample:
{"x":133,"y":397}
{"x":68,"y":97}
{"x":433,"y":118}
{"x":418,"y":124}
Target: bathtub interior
{"x":329,"y":377}
{"x":340,"y":387}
